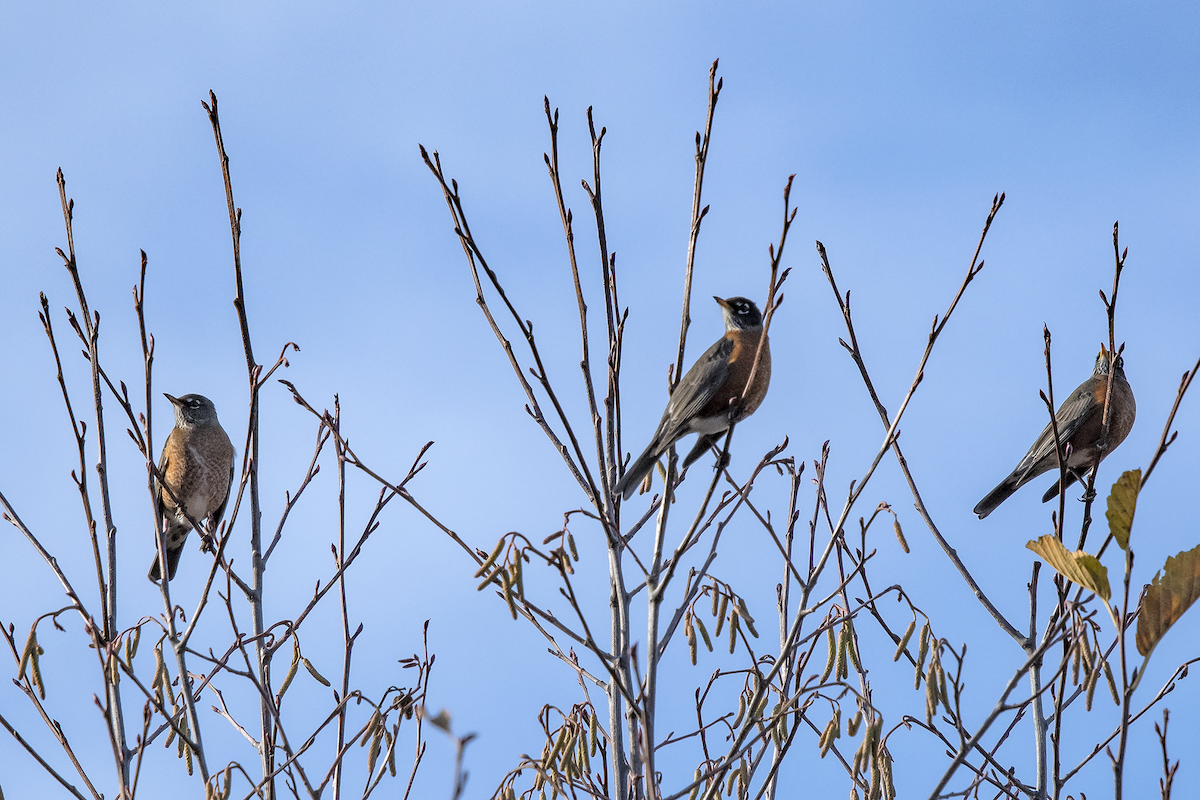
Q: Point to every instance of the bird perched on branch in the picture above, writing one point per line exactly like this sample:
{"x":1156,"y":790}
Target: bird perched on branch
{"x":1080,"y":422}
{"x":196,"y":472}
{"x":709,"y":397}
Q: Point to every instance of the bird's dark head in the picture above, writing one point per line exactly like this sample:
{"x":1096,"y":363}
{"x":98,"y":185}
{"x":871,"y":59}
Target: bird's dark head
{"x":193,"y":409}
{"x":1104,"y":358}
{"x":739,"y":313}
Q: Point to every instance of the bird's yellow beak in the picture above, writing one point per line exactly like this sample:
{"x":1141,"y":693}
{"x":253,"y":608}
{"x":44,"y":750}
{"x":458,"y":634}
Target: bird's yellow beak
{"x":721,"y":302}
{"x":174,"y":400}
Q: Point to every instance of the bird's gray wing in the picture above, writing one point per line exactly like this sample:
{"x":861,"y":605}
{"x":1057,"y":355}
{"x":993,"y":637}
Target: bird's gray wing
{"x":696,"y":389}
{"x":219,"y":511}
{"x":1074,"y":411}
{"x":158,"y":489}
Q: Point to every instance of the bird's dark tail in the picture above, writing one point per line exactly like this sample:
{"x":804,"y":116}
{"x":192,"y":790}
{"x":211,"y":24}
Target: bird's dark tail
{"x":997,"y":496}
{"x":1054,"y":490}
{"x":703,"y":444}
{"x":637,"y":472}
{"x":173,"y":544}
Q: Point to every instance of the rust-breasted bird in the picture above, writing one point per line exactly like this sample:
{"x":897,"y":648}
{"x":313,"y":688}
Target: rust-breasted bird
{"x":701,"y":400}
{"x":197,"y":467}
{"x":1081,"y":425}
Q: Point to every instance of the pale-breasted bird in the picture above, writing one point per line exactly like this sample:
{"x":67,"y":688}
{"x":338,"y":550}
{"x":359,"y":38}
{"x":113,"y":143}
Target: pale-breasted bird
{"x":1080,"y":421}
{"x":197,"y":467}
{"x":701,"y":400}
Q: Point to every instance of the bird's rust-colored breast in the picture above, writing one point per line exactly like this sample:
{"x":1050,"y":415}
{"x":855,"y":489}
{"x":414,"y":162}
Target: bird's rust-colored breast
{"x":198,"y":463}
{"x":1123,"y":410}
{"x":741,"y":362}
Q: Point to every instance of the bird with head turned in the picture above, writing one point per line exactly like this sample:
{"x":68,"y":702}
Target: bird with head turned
{"x":709,"y":397}
{"x":195,"y":475}
{"x":1080,"y":421}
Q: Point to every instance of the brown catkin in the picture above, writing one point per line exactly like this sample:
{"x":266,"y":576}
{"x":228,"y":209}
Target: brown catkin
{"x":746,"y":618}
{"x":704,"y":633}
{"x":843,"y":642}
{"x":899,"y":534}
{"x":1112,"y":684}
{"x":491,"y":559}
{"x":832,"y":655}
{"x":922,"y":651}
{"x":852,"y":645}
{"x":908,"y":632}
{"x":1090,"y":685}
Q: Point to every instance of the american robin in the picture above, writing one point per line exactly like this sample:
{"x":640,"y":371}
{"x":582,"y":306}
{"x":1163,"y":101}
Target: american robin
{"x":197,"y":466}
{"x":700,"y":402}
{"x":1080,"y":424}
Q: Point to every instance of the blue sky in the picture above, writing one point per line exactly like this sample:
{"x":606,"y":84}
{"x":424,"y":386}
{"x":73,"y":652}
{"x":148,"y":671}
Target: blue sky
{"x":900,"y":124}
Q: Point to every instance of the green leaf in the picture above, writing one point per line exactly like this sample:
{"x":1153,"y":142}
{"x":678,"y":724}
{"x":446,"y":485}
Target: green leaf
{"x":1167,"y":597}
{"x":1122,"y":502}
{"x":1078,"y":567}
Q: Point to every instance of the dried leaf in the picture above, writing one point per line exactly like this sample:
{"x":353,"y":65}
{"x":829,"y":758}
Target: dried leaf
{"x":1122,"y":502}
{"x":1078,"y":567}
{"x":440,"y":720}
{"x":1167,"y":597}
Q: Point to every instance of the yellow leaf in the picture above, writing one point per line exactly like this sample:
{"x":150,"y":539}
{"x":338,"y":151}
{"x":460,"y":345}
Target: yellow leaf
{"x":1167,"y":597}
{"x":1122,"y":502}
{"x":1096,"y":571}
{"x":1078,"y":567}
